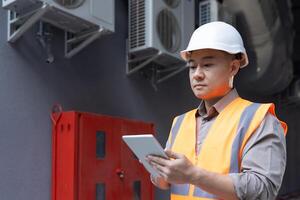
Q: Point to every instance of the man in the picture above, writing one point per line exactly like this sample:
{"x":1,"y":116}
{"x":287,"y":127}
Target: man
{"x":227,"y":148}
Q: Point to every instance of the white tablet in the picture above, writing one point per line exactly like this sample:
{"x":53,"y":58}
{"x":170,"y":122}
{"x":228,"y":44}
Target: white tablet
{"x":143,"y":145}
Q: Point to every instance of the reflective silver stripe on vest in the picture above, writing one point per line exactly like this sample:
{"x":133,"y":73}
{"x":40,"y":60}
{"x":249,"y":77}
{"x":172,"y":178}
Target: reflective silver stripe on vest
{"x":175,"y":129}
{"x":243,"y":126}
{"x":198,"y":192}
{"x":180,"y":189}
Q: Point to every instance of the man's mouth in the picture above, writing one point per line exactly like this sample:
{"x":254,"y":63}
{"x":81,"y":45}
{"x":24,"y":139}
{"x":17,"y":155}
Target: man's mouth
{"x":199,"y":85}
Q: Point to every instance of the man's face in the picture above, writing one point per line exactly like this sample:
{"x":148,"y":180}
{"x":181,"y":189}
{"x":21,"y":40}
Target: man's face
{"x":210,"y":71}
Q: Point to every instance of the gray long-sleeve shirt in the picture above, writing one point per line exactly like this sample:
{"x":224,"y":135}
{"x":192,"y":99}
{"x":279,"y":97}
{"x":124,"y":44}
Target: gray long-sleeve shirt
{"x":264,"y":156}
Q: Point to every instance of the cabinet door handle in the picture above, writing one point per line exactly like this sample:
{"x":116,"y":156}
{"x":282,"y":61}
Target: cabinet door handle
{"x":120,"y":173}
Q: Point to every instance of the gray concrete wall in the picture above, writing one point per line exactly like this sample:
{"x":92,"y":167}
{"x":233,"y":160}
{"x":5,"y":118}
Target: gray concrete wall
{"x":92,"y":81}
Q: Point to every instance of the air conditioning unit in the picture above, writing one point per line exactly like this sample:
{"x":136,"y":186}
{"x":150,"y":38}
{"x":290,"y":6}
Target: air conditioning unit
{"x":158,"y":31}
{"x":83,"y":20}
{"x":77,"y":16}
{"x":212,"y":10}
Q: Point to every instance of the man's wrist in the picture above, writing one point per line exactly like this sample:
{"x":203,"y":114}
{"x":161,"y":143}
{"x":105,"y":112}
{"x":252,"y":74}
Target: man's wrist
{"x":194,"y":175}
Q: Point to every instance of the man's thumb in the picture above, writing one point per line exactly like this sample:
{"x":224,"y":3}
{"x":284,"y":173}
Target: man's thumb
{"x":172,"y":154}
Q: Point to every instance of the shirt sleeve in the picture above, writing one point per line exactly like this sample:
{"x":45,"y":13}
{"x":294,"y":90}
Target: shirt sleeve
{"x":263,"y":162}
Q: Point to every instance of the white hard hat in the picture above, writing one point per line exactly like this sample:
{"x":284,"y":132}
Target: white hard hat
{"x":219,"y":36}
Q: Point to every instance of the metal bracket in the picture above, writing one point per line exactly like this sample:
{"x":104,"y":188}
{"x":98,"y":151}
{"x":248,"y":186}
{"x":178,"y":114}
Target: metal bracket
{"x":152,"y":71}
{"x":134,"y":65}
{"x":18,"y":25}
{"x":170,"y":72}
{"x":75,"y":43}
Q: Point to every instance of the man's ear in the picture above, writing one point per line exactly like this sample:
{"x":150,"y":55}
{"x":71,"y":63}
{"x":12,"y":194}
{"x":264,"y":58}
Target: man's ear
{"x":235,"y":66}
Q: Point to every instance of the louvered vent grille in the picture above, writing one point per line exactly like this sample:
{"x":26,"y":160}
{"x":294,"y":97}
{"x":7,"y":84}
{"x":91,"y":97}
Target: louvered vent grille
{"x":205,"y":15}
{"x":137,"y":23}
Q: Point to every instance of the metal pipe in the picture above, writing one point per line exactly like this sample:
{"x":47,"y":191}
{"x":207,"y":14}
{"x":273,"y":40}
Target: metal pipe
{"x":268,"y":43}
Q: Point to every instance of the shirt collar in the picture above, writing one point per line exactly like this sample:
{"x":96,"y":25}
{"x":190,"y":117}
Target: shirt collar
{"x":218,"y":107}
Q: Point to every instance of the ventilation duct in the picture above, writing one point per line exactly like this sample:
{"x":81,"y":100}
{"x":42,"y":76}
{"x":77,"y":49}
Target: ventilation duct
{"x":269,"y":40}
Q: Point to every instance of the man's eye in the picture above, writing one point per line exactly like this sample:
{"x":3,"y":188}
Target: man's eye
{"x":192,"y":67}
{"x":208,"y":65}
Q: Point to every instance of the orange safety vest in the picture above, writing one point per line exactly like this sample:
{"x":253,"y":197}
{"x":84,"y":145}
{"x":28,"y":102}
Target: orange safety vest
{"x":223,"y":147}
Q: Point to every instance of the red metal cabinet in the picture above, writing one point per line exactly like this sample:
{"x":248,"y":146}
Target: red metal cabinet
{"x":91,"y":162}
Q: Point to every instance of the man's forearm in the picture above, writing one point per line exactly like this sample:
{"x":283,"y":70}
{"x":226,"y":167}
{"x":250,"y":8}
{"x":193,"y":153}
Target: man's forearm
{"x":214,"y":183}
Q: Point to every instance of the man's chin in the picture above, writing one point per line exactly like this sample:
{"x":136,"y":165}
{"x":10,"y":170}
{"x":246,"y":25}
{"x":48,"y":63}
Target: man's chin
{"x":200,"y":95}
{"x":203,"y":95}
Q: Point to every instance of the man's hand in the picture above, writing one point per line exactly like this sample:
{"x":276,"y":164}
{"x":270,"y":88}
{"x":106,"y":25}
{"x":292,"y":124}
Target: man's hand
{"x":180,"y":170}
{"x":160,"y":182}
{"x":177,"y":170}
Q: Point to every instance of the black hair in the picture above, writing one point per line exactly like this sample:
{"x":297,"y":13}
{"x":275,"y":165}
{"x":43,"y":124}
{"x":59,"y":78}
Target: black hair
{"x":239,"y":56}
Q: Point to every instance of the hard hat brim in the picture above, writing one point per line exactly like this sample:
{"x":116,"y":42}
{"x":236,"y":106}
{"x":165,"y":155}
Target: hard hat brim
{"x":243,"y":62}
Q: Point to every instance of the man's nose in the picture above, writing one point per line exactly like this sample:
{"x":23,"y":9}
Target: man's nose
{"x":199,"y":74}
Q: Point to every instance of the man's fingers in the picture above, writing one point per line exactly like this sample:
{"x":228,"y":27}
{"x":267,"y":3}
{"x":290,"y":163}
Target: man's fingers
{"x":162,"y":171}
{"x":157,"y":160}
{"x":172,"y":154}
